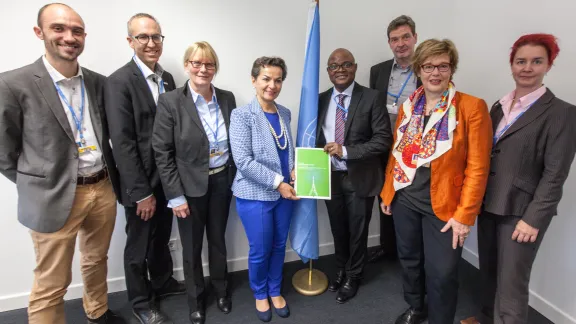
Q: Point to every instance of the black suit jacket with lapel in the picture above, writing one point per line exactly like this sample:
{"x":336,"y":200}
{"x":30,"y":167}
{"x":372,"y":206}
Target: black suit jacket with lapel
{"x":37,"y":147}
{"x":367,"y":137}
{"x":380,"y":77}
{"x":531,"y":161}
{"x":131,"y":110}
{"x":181,"y":145}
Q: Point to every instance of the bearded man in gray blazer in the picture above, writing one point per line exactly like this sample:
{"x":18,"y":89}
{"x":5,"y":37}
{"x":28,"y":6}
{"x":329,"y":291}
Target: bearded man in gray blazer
{"x":55,"y":147}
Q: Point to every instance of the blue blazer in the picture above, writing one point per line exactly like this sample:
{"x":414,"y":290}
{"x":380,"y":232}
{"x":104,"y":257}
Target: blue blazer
{"x":254,"y":151}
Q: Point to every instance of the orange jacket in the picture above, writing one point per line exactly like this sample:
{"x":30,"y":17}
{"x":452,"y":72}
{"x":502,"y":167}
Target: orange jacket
{"x":458,"y":177}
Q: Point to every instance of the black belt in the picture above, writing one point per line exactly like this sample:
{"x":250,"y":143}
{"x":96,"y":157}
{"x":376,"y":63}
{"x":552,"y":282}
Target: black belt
{"x":216,"y":170}
{"x":93,"y":178}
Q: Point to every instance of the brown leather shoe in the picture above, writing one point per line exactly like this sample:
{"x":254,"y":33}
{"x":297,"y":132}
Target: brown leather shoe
{"x":470,"y":320}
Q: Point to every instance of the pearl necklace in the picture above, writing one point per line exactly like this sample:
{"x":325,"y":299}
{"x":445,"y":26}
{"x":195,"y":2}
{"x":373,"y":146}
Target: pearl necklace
{"x":282,"y":131}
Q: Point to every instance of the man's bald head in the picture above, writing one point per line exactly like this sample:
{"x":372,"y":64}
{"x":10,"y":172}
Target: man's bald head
{"x":53,"y":6}
{"x":342,"y":52}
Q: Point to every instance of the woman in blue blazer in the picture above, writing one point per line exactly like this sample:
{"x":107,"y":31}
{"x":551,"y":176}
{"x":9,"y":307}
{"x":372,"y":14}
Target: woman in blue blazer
{"x":263,"y":151}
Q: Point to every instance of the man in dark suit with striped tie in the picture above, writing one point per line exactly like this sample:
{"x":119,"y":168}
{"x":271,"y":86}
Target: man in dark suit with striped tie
{"x":354,"y":128}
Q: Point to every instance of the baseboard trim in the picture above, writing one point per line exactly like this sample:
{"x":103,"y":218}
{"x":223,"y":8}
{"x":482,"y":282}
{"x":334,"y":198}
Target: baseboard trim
{"x":17,"y":301}
{"x":539,"y":303}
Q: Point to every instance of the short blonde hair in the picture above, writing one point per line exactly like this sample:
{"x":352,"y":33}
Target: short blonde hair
{"x":206,"y":50}
{"x":434,"y":47}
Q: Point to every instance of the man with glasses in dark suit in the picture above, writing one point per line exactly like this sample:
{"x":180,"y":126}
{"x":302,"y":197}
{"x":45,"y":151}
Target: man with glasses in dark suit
{"x":131,"y":97}
{"x":354,"y":128}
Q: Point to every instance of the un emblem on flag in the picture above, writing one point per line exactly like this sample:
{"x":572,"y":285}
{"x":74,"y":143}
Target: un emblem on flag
{"x":308,"y":138}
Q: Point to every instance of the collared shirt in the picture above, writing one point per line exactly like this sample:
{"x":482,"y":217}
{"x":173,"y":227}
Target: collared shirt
{"x":152,"y":78}
{"x":90,"y":161}
{"x":329,"y":127}
{"x":398,"y":76}
{"x":522,"y":104}
{"x":207,"y":113}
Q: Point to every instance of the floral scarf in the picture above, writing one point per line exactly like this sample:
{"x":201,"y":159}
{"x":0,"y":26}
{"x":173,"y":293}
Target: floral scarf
{"x":417,"y":146}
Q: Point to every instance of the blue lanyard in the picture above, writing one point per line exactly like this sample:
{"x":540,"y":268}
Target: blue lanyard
{"x":344,"y":110}
{"x":397,"y":96}
{"x":501,"y":132}
{"x":160,"y":81}
{"x":215,"y":133}
{"x":77,"y":121}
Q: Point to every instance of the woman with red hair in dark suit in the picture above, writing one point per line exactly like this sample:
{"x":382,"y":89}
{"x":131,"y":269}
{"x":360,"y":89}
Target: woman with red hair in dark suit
{"x":533,"y":149}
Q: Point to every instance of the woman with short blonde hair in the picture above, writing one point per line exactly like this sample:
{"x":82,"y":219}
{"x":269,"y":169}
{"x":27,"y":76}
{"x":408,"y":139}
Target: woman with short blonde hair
{"x":194,"y":158}
{"x":435,"y":180}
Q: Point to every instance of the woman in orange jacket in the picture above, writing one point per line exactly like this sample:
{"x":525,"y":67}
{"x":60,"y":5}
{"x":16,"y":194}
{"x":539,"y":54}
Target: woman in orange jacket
{"x":435,"y":180}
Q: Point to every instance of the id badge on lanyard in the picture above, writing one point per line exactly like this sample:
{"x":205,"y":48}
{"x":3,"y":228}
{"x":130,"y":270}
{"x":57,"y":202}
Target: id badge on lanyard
{"x":393,"y":108}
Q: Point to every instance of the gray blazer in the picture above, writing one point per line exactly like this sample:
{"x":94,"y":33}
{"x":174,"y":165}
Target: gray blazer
{"x":531,"y":161}
{"x":37,"y":149}
{"x":181,"y":147}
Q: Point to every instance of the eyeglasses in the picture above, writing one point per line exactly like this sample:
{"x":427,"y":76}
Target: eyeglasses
{"x":197,"y":65}
{"x":429,"y":68}
{"x":144,"y":39}
{"x":346,"y":66}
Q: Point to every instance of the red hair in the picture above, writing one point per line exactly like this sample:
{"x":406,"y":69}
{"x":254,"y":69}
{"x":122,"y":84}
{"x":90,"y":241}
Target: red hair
{"x":549,"y":42}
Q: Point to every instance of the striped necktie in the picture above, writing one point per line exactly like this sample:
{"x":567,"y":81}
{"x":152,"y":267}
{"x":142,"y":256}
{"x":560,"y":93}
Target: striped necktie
{"x":340,"y":120}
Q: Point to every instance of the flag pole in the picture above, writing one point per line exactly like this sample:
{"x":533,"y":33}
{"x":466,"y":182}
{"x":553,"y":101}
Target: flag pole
{"x":310,"y":281}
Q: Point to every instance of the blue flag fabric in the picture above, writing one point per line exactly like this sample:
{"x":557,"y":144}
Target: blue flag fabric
{"x":304,"y":227}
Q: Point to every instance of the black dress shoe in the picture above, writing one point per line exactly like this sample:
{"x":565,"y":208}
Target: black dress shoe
{"x":172,"y":287}
{"x":380,"y":255}
{"x":412,"y":316}
{"x":151,"y":316}
{"x":224,"y":304}
{"x":337,"y":282}
{"x":348,"y":290}
{"x":107,"y":318}
{"x":198,"y":317}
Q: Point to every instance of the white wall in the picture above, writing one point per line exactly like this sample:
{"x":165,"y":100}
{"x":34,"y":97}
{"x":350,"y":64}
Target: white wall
{"x":240,"y":31}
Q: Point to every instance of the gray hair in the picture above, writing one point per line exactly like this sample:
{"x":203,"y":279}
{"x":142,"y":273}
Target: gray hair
{"x":140,"y":15}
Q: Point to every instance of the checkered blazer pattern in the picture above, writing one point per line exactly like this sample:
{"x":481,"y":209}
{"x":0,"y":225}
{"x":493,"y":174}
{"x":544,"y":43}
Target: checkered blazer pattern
{"x":254,"y":151}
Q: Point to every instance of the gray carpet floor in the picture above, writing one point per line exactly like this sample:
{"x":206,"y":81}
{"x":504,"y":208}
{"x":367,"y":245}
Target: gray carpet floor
{"x":379,"y":300}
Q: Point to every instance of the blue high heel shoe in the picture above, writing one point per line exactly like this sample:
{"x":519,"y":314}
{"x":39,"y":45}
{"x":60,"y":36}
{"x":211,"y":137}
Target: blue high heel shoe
{"x":282,"y":312}
{"x":265,"y":316}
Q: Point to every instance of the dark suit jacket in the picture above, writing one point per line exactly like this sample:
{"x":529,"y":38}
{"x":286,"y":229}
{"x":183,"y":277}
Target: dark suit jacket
{"x":380,"y":77}
{"x":37,"y":148}
{"x":531,"y":161}
{"x":367,"y":137}
{"x":180,"y":143}
{"x":131,"y":109}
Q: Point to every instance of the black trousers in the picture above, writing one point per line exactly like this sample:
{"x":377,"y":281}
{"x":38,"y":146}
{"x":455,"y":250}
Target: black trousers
{"x":429,"y":263}
{"x":147,"y":260}
{"x":387,"y":231}
{"x":505,"y":266}
{"x":208,"y":212}
{"x":349,"y":219}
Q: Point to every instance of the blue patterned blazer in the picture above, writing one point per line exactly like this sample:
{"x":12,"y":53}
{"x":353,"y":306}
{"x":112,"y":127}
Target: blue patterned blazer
{"x":254,"y":152}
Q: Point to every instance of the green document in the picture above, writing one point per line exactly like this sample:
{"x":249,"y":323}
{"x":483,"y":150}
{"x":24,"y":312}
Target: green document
{"x":312,"y":173}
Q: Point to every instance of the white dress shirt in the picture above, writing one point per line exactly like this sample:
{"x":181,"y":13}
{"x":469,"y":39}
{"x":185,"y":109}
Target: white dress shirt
{"x":329,"y":127}
{"x":207,"y":114}
{"x":90,"y":161}
{"x":152,"y":78}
